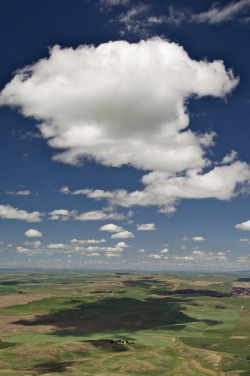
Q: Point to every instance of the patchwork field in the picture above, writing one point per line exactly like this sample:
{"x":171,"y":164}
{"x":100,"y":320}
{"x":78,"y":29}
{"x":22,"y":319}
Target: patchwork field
{"x":69,"y":323}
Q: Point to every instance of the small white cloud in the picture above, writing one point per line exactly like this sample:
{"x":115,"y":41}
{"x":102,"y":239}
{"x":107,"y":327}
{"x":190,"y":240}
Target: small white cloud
{"x":122,"y":235}
{"x":183,"y":247}
{"x":198,"y":239}
{"x":96,"y":194}
{"x":92,"y":248}
{"x":217,"y":14}
{"x":168,"y":209}
{"x":141,"y":250}
{"x":184,"y":258}
{"x":155,"y":256}
{"x":110,"y":227}
{"x":8,"y":212}
{"x":64,"y":190}
{"x":79,"y":249}
{"x":19,"y":193}
{"x":23,"y":250}
{"x":93,"y":254}
{"x":88,"y":241}
{"x":157,"y":20}
{"x":33,"y":233}
{"x":165,"y":250}
{"x":61,"y":215}
{"x":121,"y":245}
{"x":146,"y":227}
{"x":244,"y":240}
{"x":185,"y":238}
{"x":111,"y":254}
{"x":56,"y":246}
{"x":198,"y":253}
{"x":98,"y":215}
{"x":245,"y":226}
{"x":34,"y":244}
{"x":242,"y":259}
{"x":118,"y":248}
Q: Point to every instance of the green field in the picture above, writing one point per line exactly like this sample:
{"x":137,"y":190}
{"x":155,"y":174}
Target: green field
{"x":67,"y":323}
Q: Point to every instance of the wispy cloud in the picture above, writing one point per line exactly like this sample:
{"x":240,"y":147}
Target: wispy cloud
{"x":109,"y":4}
{"x":139,"y":20}
{"x":134,"y":20}
{"x":176,"y":16}
{"x":215,"y":15}
{"x":218,"y":14}
{"x":25,"y":192}
{"x":94,"y":215}
{"x":99,"y":215}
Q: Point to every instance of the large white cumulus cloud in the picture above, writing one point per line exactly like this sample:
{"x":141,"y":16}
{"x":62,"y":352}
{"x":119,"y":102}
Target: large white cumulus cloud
{"x":122,"y":103}
{"x":119,"y":103}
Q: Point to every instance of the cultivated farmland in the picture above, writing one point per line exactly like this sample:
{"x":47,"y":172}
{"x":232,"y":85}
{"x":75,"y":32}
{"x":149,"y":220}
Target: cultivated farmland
{"x":76,"y":323}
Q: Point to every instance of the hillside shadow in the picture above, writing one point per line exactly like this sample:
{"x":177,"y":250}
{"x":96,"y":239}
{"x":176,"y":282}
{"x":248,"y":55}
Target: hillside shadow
{"x":211,"y":293}
{"x":51,"y":367}
{"x":145,"y":282}
{"x":212,"y":322}
{"x":11,"y":283}
{"x":110,"y":313}
{"x":114,"y":313}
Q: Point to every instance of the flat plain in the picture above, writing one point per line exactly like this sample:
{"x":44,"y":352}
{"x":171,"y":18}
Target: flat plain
{"x":116,"y":323}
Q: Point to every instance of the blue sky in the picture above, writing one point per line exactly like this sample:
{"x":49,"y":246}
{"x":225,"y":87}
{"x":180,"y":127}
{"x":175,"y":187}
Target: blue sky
{"x":125,"y":135}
